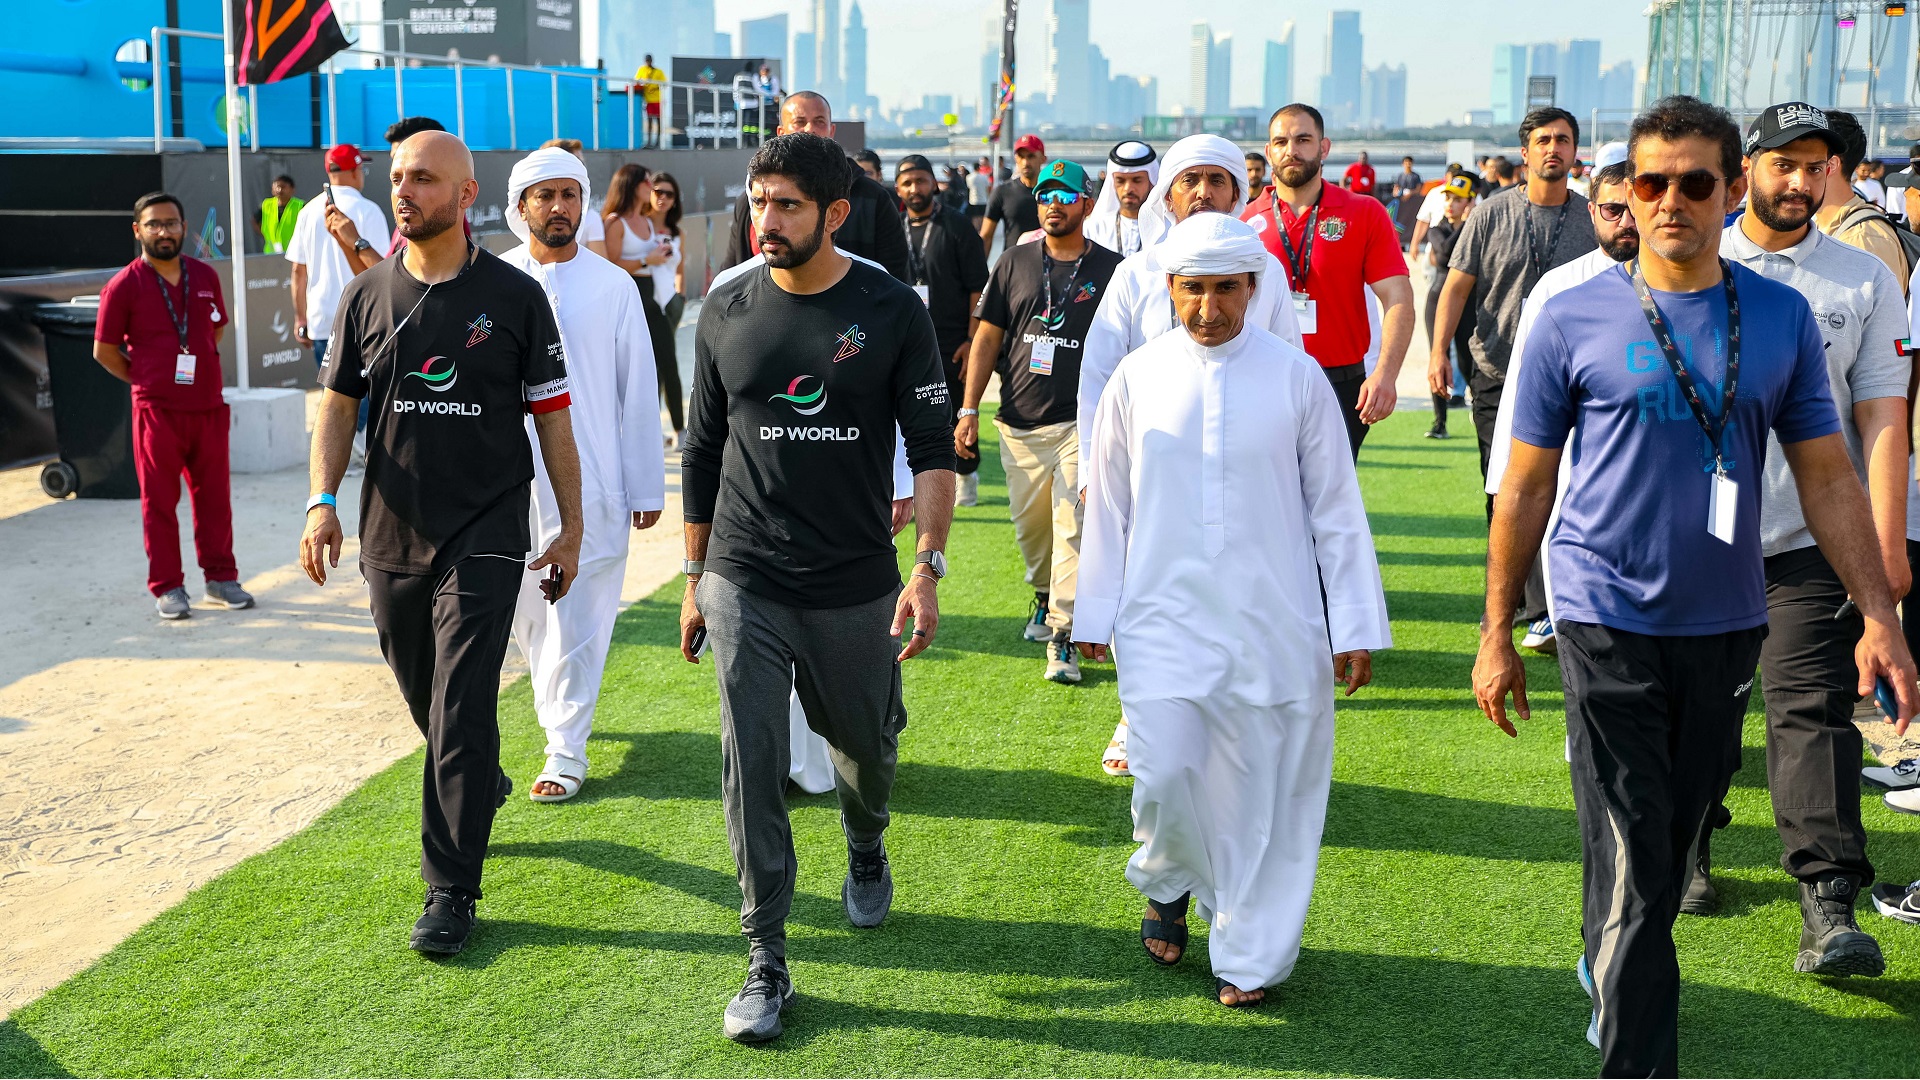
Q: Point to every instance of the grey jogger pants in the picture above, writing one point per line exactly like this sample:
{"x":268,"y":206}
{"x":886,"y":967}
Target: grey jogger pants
{"x":841,"y":661}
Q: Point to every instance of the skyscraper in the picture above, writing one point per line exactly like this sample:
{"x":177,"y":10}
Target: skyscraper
{"x":1204,"y":85}
{"x":1340,"y":87}
{"x":1132,"y":97}
{"x":1220,"y":76}
{"x":1579,"y":90}
{"x":1276,"y":86}
{"x":1509,"y":83}
{"x":1543,"y":60}
{"x":992,"y":29}
{"x":804,"y":75}
{"x":692,"y":29}
{"x":1617,"y":86}
{"x":766,"y":38}
{"x":1099,"y":87}
{"x":826,"y":48}
{"x":854,"y":58}
{"x":1067,"y":62}
{"x":1385,"y":91}
{"x":631,"y":29}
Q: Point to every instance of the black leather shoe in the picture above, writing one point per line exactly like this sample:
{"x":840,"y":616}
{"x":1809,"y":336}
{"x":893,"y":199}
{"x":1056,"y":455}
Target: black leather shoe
{"x":1699,"y":898}
{"x":1831,"y":943}
{"x":446,"y":923}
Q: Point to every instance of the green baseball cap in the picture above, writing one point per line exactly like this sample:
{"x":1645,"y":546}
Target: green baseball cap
{"x":1062,"y":174}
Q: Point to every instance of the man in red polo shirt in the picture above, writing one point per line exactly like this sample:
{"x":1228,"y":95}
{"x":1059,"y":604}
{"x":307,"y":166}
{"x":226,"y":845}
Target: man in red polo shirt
{"x":1359,"y":177}
{"x":1335,"y":244}
{"x":161,"y":320}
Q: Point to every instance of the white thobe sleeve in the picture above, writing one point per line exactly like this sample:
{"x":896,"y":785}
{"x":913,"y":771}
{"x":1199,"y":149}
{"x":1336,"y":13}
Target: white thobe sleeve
{"x":1109,"y":339}
{"x":643,"y":467}
{"x":1503,"y":420}
{"x":1106,"y":468}
{"x":902,"y":473}
{"x":1335,"y":515}
{"x":1281,"y":321}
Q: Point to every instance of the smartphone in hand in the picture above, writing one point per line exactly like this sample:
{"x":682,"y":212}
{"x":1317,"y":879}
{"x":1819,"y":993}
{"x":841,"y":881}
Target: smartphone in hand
{"x":550,"y":587}
{"x":1889,"y":704}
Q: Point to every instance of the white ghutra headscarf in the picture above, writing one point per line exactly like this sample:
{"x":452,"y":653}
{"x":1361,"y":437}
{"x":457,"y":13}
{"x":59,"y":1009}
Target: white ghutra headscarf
{"x":1103,"y":224}
{"x":551,"y":163}
{"x":1208,"y":245}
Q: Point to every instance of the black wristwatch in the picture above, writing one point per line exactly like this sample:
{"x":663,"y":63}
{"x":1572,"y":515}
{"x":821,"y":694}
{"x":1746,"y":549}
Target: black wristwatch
{"x":362,"y":244}
{"x":932,"y":560}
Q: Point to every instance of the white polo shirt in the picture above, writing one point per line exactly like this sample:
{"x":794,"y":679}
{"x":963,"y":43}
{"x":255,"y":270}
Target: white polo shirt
{"x":313,"y":246}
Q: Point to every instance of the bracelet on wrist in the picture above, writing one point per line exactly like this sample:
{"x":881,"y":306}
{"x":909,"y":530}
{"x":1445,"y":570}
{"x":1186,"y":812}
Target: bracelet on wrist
{"x":325,"y":499}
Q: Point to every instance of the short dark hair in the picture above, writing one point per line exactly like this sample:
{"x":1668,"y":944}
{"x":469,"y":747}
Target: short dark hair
{"x":283,"y":178}
{"x":1255,"y":155}
{"x":818,"y":167}
{"x":1541,"y":117}
{"x":1616,"y":173}
{"x":1682,"y":116}
{"x":867,"y":157}
{"x":407,"y":127}
{"x":1853,"y":140}
{"x":1300,"y":108}
{"x":1408,"y":159}
{"x":155,"y":198}
{"x":1502,"y":168}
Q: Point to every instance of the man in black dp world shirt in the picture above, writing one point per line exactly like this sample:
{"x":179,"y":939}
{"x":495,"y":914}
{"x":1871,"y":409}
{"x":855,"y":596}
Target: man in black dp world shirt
{"x":949,"y":268}
{"x":802,"y":368}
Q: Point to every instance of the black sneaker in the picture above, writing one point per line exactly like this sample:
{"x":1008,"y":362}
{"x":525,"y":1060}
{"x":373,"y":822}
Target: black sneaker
{"x":1831,"y":943}
{"x":754,"y":1013}
{"x":868,"y":892}
{"x":1898,"y":901}
{"x":446,"y":923}
{"x":1437,"y":431}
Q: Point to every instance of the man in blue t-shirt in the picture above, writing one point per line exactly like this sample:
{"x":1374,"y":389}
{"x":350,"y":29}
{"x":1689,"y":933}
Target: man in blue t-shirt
{"x":1655,"y":563}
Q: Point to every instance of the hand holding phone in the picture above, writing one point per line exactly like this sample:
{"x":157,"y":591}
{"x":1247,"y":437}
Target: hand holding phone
{"x":1889,"y":703}
{"x":550,"y":587}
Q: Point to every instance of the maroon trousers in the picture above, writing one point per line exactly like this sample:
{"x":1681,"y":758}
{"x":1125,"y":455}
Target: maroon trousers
{"x":167,"y":443}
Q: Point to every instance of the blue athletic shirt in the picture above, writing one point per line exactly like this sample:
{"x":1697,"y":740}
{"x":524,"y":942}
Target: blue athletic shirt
{"x":1631,"y":550}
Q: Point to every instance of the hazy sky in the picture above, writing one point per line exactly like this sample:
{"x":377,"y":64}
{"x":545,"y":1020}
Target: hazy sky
{"x":919,"y":48}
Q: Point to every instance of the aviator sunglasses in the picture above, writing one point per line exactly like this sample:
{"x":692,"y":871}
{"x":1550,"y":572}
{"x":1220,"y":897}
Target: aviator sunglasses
{"x":1695,"y":186}
{"x":1059,"y":197}
{"x":1614,"y":211}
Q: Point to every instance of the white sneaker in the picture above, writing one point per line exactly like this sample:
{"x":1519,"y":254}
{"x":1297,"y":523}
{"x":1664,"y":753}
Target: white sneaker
{"x":1904,"y":801}
{"x":969,"y":493}
{"x":1898,"y":776}
{"x":1063,"y":662}
{"x":1540,"y":637}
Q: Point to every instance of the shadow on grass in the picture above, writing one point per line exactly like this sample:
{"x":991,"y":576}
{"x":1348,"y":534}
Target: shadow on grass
{"x":1455,"y":526}
{"x":22,"y":1055}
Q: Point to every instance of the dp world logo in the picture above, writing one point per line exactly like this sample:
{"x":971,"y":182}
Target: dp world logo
{"x":804,"y":404}
{"x":440,"y":383}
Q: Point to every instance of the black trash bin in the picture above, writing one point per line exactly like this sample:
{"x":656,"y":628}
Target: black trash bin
{"x":92,"y":410}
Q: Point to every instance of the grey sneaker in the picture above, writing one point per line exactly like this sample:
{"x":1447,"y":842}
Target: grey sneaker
{"x":754,"y":1013}
{"x":969,"y":493}
{"x":868,"y":892}
{"x":1896,"y":777}
{"x":229,"y":594}
{"x":174,"y":605}
{"x":1063,"y":663}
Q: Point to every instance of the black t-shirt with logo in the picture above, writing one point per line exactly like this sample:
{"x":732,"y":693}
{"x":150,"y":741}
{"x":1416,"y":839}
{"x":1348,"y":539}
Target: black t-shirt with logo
{"x":452,"y":372}
{"x":1012,"y":205}
{"x":1032,"y":392}
{"x":790,"y":432}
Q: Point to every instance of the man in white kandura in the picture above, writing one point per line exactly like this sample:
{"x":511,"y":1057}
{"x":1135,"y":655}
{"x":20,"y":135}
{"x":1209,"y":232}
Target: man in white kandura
{"x":1221,"y":501}
{"x":1114,"y":223}
{"x":616,"y":425}
{"x":1199,"y":174}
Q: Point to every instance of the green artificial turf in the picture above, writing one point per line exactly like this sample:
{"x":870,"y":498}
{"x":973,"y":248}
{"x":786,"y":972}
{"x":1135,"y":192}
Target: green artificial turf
{"x":1442,"y":937}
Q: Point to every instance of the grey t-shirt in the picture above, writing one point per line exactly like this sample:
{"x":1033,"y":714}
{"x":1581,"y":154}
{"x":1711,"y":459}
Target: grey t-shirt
{"x":1493,"y":247}
{"x":1862,"y":317}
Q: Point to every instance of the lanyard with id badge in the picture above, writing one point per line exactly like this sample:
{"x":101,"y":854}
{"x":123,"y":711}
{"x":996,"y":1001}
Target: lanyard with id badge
{"x":1040,"y":358}
{"x":184,"y":363}
{"x":1306,"y":310}
{"x":1723,"y":498}
{"x":918,"y":257}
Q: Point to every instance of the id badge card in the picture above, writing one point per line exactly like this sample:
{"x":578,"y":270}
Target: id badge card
{"x":1040,"y":360}
{"x":1306,"y":311}
{"x":1723,"y":503}
{"x":925,"y":296}
{"x":183,"y":368}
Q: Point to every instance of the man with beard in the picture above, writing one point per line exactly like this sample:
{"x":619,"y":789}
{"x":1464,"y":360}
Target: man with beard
{"x":1658,"y":581}
{"x":949,"y":269}
{"x":1114,"y":222}
{"x":1256,"y":172}
{"x":1034,"y":319}
{"x":803,"y":366}
{"x":454,"y":347}
{"x":1336,"y":244}
{"x":1200,"y":175}
{"x":1012,"y":199}
{"x":872,"y":229}
{"x":1506,"y":245}
{"x":616,"y":431}
{"x":159,"y":329}
{"x":1806,"y":666}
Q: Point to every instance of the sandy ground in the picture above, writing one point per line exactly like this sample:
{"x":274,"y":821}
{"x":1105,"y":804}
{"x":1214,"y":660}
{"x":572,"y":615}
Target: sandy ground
{"x":143,"y":758}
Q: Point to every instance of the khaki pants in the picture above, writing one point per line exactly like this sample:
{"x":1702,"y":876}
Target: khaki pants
{"x":1043,"y":497}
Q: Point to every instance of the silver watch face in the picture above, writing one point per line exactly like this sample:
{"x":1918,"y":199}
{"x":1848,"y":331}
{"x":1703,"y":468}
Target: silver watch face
{"x":937,"y":561}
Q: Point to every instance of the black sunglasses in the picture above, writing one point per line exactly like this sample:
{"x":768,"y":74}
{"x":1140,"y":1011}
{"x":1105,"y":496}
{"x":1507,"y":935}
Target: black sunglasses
{"x":1695,"y":186}
{"x":1613,"y":211}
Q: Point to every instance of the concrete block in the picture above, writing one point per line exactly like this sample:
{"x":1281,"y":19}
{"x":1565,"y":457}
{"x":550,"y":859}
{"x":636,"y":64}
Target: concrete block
{"x":267,"y":430}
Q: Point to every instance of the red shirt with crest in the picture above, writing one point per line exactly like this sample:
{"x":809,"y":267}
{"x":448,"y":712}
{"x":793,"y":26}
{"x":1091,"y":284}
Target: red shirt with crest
{"x":1354,"y":246}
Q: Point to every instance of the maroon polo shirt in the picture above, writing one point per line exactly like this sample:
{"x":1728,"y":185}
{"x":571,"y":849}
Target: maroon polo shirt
{"x":133,"y":315}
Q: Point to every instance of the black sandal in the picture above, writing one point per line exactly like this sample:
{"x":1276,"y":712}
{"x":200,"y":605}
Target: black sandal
{"x":1220,"y":984}
{"x":1165,"y":929}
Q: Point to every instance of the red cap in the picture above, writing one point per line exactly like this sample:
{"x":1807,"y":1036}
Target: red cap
{"x":344,"y":158}
{"x":1030,"y":142}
